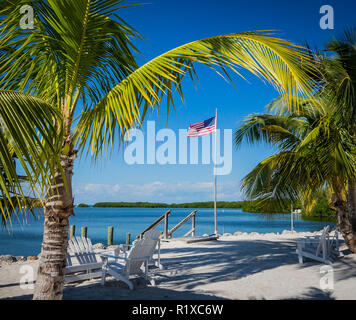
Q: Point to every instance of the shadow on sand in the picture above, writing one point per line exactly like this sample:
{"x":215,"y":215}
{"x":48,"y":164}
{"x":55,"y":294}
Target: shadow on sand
{"x":206,"y":263}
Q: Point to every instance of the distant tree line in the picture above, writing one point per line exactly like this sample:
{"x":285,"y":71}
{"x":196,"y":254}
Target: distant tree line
{"x":210,"y":204}
{"x":320,"y":211}
{"x":247,"y":206}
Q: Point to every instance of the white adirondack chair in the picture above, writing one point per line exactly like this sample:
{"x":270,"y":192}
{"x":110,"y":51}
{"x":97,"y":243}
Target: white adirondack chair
{"x":135,"y":263}
{"x":317,"y":248}
{"x":154,"y":235}
{"x":87,"y":266}
{"x":333,"y":243}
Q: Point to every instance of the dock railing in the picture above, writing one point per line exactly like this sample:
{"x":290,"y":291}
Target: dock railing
{"x":156,"y":223}
{"x":191,"y":231}
{"x":168,"y":233}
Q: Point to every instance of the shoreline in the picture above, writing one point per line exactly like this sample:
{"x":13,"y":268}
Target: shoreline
{"x":247,"y":267}
{"x":12,"y":259}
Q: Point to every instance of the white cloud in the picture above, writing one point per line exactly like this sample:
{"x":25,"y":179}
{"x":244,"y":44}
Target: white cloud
{"x":156,"y":191}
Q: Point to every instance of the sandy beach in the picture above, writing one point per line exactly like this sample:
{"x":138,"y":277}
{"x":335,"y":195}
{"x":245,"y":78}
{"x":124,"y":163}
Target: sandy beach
{"x":234,"y":267}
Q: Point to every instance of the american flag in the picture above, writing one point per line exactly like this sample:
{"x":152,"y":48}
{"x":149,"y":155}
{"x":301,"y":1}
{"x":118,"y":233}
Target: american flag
{"x":202,"y":128}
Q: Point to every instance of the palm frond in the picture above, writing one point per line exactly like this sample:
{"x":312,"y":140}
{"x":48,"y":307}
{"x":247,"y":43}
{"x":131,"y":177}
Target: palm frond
{"x":282,"y":131}
{"x":30,"y":129}
{"x":281,"y":63}
{"x":85,"y":51}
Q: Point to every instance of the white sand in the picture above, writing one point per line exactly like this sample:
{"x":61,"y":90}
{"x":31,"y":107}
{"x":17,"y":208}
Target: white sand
{"x":235,"y":267}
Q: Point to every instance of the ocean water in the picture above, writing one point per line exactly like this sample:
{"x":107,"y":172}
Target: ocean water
{"x":24,"y":238}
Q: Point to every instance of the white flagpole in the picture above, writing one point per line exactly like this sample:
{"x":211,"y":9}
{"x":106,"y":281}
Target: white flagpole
{"x":215,"y":215}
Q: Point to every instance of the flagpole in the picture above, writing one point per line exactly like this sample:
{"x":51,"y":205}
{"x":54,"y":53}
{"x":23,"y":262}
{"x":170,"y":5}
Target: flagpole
{"x":215,"y":215}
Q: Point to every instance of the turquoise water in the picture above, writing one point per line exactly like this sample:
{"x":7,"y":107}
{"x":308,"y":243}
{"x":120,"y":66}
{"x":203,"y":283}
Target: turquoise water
{"x":25,"y":238}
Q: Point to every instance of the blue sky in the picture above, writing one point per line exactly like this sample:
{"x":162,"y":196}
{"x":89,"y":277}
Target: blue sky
{"x":168,"y":24}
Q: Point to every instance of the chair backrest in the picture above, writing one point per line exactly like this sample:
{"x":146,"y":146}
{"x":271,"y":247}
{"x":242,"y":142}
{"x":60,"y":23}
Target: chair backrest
{"x":139,"y":253}
{"x":83,"y":250}
{"x":335,"y":239}
{"x":325,"y":232}
{"x":68,"y":260}
{"x":323,"y":242}
{"x":152,"y":234}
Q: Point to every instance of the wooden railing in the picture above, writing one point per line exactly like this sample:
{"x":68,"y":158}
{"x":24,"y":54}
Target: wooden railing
{"x":191,"y":231}
{"x":156,"y":223}
{"x":168,"y":233}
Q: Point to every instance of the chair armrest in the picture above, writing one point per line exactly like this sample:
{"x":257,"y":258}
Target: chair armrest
{"x":126,"y":246}
{"x":106,"y":251}
{"x":106,"y":256}
{"x":311,"y":240}
{"x":138,"y":259}
{"x":317,"y":237}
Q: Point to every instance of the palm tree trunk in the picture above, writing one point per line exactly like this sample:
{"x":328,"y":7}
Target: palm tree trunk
{"x":58,"y":208}
{"x":344,"y":224}
{"x":352,"y":203}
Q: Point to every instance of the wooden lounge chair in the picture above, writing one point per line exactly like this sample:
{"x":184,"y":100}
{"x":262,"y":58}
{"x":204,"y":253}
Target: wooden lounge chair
{"x":154,"y":235}
{"x":135,"y":263}
{"x":316,"y":248}
{"x":333,"y":243}
{"x":87,"y":266}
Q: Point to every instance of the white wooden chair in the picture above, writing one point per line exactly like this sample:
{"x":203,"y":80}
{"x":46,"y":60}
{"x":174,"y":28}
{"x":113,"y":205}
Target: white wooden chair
{"x":135,"y":263}
{"x":87,"y":266}
{"x":154,"y":235}
{"x":315,"y":248}
{"x":333,"y":243}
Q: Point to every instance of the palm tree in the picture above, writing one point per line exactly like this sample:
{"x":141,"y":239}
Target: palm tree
{"x":79,"y":60}
{"x":316,"y":143}
{"x":343,"y":84}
